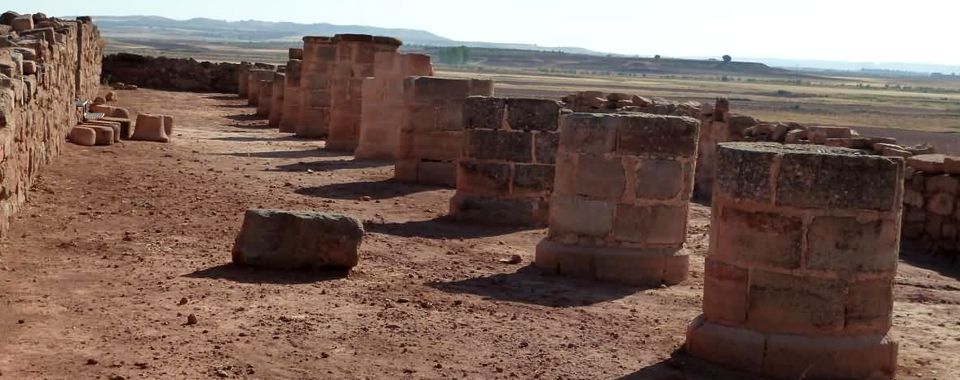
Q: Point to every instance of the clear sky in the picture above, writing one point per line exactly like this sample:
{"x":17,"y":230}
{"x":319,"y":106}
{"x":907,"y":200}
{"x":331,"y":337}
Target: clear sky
{"x":922,"y":31}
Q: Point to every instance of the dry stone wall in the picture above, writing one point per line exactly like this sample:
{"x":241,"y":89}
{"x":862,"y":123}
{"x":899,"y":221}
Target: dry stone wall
{"x":45,"y":67}
{"x":171,"y":73}
{"x":931,"y":198}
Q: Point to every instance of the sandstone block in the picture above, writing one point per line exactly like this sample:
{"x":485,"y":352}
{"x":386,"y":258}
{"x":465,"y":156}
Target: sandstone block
{"x":757,"y":238}
{"x":927,"y":163}
{"x":942,"y":184}
{"x":22,"y":23}
{"x":533,"y":114}
{"x":869,"y":306}
{"x":567,"y":216}
{"x":787,"y":304}
{"x":811,"y":178}
{"x":600,"y":177}
{"x":654,"y":225}
{"x":483,"y":177}
{"x":658,"y":136}
{"x":482,"y":112}
{"x":585,"y":133}
{"x":497,"y":211}
{"x":729,"y":346}
{"x":746,"y":174}
{"x":659,"y":179}
{"x":793,"y":357}
{"x":545,"y":147}
{"x":533,"y":179}
{"x":725,"y":292}
{"x":951,"y":164}
{"x":847,"y":245}
{"x":941,"y":204}
{"x":297,"y":240}
{"x":150,"y":128}
{"x":83,"y":136}
{"x":499,"y":145}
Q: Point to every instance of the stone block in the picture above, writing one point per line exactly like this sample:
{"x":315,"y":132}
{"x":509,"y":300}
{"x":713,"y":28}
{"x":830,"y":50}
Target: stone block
{"x":869,"y":307}
{"x":941,"y":204}
{"x":297,"y":240}
{"x":658,"y":136}
{"x":481,"y":112}
{"x":104,"y":134}
{"x":756,"y":238}
{"x":657,"y":225}
{"x":864,"y":357}
{"x":846,"y":245}
{"x":483,"y":177}
{"x":600,"y":177}
{"x":567,"y":216}
{"x":83,"y":136}
{"x":545,"y":147}
{"x":497,"y":211}
{"x":442,"y":173}
{"x":788,"y":304}
{"x":951,"y":164}
{"x":725,"y":292}
{"x":820,"y":178}
{"x":533,"y":179}
{"x":500,"y":145}
{"x":659,"y":179}
{"x":729,"y":346}
{"x":942,"y":183}
{"x":746,"y":173}
{"x":533,"y":114}
{"x":150,"y":128}
{"x":927,"y":163}
{"x":22,"y":23}
{"x":587,"y":133}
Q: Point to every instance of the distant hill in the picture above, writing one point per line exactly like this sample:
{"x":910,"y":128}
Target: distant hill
{"x":126,"y":28}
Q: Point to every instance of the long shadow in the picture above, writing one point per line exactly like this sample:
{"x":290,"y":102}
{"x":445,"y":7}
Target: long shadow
{"x":945,"y":264}
{"x":245,"y":117}
{"x":528,"y":285}
{"x":680,"y":366}
{"x":306,"y":153}
{"x":235,"y":106}
{"x":442,"y":227}
{"x":385,"y":189}
{"x":256,"y":139}
{"x":326,"y":165}
{"x":224,"y":97}
{"x":250,"y":275}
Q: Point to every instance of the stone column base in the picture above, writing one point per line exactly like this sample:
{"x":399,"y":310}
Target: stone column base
{"x":632,"y":266}
{"x":347,"y":146}
{"x":784,"y":356}
{"x":532,"y":212}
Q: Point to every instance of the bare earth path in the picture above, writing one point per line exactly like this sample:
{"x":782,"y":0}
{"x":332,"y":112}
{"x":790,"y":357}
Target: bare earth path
{"x":119,"y":244}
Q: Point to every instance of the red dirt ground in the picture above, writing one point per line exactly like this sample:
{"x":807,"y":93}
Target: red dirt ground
{"x":114,"y":239}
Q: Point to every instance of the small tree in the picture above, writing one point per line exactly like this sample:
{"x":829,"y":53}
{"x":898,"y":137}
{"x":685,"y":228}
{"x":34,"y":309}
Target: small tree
{"x":657,"y":57}
{"x":727,"y":58}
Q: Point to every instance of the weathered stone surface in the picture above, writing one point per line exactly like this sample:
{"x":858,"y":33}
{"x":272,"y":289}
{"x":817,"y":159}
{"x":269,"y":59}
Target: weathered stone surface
{"x":533,"y":114}
{"x":150,"y":128}
{"x":927,"y":163}
{"x":83,"y":136}
{"x":484,"y":112}
{"x":297,"y":240}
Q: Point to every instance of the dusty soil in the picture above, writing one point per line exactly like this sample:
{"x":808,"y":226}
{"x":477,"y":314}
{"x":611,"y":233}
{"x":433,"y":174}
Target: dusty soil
{"x":118,"y":245}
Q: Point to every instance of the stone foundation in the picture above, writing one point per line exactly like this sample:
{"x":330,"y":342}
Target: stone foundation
{"x":621,"y":194}
{"x":803,"y":254}
{"x":174,"y":74}
{"x":432,"y":134}
{"x":49,"y":66}
{"x":506,"y":169}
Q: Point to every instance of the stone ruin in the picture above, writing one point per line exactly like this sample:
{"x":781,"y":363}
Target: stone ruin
{"x":803,"y":255}
{"x":505,"y":172}
{"x":621,"y":194}
{"x":175,"y":74}
{"x":46,"y":66}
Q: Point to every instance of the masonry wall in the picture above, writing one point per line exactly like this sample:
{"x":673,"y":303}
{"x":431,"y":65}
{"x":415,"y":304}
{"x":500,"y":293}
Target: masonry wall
{"x":177,"y":74}
{"x":52,"y":65}
{"x":931,"y":216}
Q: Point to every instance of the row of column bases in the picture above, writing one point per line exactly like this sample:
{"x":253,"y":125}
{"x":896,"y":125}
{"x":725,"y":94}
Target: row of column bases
{"x":804,"y":239}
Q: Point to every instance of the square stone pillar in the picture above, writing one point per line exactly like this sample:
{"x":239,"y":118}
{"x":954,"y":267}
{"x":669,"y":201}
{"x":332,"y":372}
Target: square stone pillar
{"x":266,"y":97}
{"x":621,"y":194}
{"x":432,"y":134}
{"x":278,"y":99}
{"x":506,"y":169}
{"x":254,"y":76}
{"x":804,"y":244}
{"x":316,"y":74}
{"x":290,"y":117}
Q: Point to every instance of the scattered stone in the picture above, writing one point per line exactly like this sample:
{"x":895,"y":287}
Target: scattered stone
{"x":513,"y":259}
{"x":297,"y":240}
{"x":191,"y":320}
{"x":92,"y":361}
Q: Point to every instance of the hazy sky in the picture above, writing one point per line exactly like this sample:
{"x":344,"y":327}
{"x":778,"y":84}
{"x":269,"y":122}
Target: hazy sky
{"x":849,"y":30}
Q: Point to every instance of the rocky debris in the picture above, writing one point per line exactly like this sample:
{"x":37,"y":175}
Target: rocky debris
{"x":298,"y":240}
{"x":163,"y":73}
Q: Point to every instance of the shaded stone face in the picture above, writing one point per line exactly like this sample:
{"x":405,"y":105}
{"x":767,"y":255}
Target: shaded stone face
{"x":519,"y":136}
{"x":804,"y":246}
{"x":297,"y":240}
{"x":621,"y":192}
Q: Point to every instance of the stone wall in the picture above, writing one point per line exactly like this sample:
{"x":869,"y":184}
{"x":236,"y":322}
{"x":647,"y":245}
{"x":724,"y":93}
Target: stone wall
{"x":44,"y":68}
{"x":931,"y":196}
{"x":506,"y":169}
{"x":177,"y":74}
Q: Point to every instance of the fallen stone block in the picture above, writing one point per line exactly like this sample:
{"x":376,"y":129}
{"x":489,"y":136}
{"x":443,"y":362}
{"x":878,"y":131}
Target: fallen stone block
{"x":150,"y":128}
{"x":22,"y":23}
{"x":927,"y":163}
{"x":297,"y":240}
{"x":104,"y":133}
{"x":111,"y":96}
{"x":83,"y":136}
{"x":126,"y":126}
{"x":116,"y":126}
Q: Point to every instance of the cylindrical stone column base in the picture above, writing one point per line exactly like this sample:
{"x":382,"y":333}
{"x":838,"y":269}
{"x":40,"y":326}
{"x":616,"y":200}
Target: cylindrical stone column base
{"x":798,"y":283}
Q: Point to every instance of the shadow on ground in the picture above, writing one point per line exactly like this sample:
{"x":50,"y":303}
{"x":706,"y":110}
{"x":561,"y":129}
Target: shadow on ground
{"x":944,"y":264}
{"x":529,"y":285}
{"x":225,"y":97}
{"x":380,"y":190}
{"x":256,"y":139}
{"x":442,"y":227}
{"x":325,"y":165}
{"x":683,"y":367}
{"x":250,"y":275}
{"x":305,"y":153}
